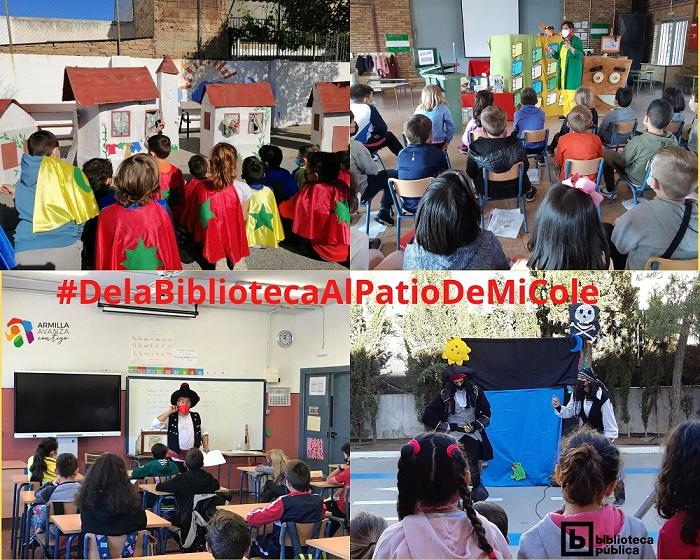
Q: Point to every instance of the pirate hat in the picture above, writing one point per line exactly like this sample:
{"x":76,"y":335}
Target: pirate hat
{"x":586,"y":374}
{"x":455,"y":372}
{"x":185,"y":391}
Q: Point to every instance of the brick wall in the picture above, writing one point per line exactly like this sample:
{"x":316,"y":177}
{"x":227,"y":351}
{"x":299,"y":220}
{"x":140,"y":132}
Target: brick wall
{"x":129,"y":47}
{"x":601,"y":11}
{"x":143,"y":18}
{"x":371,"y":20}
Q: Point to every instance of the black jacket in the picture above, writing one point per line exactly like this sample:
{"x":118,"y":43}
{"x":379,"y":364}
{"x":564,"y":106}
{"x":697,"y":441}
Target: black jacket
{"x":444,"y":403}
{"x":186,"y":485}
{"x":102,"y":522}
{"x":498,"y":155}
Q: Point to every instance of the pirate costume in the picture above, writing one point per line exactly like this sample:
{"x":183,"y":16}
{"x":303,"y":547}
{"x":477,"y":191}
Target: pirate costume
{"x":185,"y":431}
{"x":463,"y":413}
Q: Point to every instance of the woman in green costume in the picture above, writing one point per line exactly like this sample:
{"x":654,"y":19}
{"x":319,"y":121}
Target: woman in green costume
{"x":570,"y":57}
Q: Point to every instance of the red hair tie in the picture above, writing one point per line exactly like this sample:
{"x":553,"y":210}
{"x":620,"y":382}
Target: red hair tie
{"x":415,"y":445}
{"x":492,"y":554}
{"x":451,"y":450}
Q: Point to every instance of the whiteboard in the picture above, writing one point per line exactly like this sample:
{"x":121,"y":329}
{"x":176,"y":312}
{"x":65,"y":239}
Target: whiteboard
{"x":225,"y":405}
{"x":497,"y":17}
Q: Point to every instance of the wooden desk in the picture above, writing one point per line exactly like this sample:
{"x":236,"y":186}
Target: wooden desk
{"x":184,"y":556}
{"x":335,"y":546}
{"x":151,"y":489}
{"x":69,"y":523}
{"x":323,"y":486}
{"x":242,"y":509}
{"x":249,"y":455}
{"x":27,"y":497}
{"x":9,"y":490}
{"x":14,"y":464}
{"x":396,"y":85}
{"x":248,"y":473}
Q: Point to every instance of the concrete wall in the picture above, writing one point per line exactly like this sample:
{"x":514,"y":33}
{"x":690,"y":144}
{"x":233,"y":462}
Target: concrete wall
{"x":39,"y":30}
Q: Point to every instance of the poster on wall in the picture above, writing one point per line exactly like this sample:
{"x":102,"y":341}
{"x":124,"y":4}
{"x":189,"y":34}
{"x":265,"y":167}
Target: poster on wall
{"x":317,"y":386}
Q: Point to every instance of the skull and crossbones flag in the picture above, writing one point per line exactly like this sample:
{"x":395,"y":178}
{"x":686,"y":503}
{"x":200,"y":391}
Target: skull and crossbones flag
{"x":584,"y":321}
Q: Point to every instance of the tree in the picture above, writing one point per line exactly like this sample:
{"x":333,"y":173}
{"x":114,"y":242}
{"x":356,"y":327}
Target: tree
{"x":316,"y":16}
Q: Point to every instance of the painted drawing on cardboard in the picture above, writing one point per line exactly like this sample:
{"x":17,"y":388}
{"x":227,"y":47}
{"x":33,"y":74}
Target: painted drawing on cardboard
{"x":231,"y":124}
{"x":256,"y":123}
{"x":196,"y":72}
{"x":154,"y":123}
{"x":121,"y":123}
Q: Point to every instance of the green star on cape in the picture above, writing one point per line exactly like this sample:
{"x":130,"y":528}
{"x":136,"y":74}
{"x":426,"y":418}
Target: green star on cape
{"x":205,"y":213}
{"x":262,"y":217}
{"x":141,"y":257}
{"x":342,"y":211}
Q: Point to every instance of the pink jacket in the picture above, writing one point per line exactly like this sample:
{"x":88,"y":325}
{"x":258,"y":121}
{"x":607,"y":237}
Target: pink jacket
{"x":438,"y":536}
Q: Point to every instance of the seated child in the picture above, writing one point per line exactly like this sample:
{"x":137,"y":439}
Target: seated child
{"x":677,"y":493}
{"x":582,"y":96}
{"x":587,"y":472}
{"x":690,"y":133}
{"x":228,"y":536}
{"x":42,"y":465}
{"x":495,"y":514}
{"x":137,"y":232}
{"x":648,"y":229}
{"x":302,"y":157}
{"x":172,"y":182}
{"x":677,"y":100}
{"x":632,"y":161}
{"x":433,"y":478}
{"x":160,"y":466}
{"x":365,"y":530}
{"x":275,"y":485}
{"x":299,"y":506}
{"x":372,"y":131}
{"x":529,"y":117}
{"x":263,"y":225}
{"x":50,"y":232}
{"x":433,"y":105}
{"x":622,"y":113}
{"x":448,"y":236}
{"x":482,"y":99}
{"x":420,"y":159}
{"x":62,"y":490}
{"x":278,"y":179}
{"x":498,"y":153}
{"x":99,"y":173}
{"x":341,"y":475}
{"x":580,"y":143}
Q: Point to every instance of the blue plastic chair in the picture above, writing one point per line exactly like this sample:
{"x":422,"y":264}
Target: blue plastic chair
{"x":622,"y":132}
{"x":535,"y":137}
{"x":637,"y":190}
{"x":411,"y":189}
{"x":518,"y":170}
{"x":295,"y":535}
{"x":586,"y":167}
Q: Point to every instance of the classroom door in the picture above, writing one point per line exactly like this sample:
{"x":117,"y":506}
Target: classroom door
{"x":340,"y":416}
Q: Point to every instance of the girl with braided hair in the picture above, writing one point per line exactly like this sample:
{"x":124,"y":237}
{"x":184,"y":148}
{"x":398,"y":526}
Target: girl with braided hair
{"x":433,"y":482}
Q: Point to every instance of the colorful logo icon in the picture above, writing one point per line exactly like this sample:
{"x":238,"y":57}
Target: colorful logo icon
{"x":19,"y":332}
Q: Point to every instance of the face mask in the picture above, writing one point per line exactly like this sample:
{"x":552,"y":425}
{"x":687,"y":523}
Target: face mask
{"x":565,"y":33}
{"x":650,"y":182}
{"x":298,"y":162}
{"x":183,"y":408}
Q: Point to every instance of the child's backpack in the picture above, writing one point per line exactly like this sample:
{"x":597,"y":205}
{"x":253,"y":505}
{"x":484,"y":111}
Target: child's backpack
{"x":193,"y":535}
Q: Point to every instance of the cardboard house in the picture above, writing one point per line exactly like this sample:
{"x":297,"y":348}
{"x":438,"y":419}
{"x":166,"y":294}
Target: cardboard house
{"x":330,"y":120}
{"x":239,"y":114}
{"x":116,"y":111}
{"x":15,"y":127}
{"x":168,"y":77}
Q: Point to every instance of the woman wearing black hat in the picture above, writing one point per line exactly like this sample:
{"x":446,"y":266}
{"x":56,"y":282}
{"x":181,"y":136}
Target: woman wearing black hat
{"x":462,"y":410}
{"x":184,"y":427}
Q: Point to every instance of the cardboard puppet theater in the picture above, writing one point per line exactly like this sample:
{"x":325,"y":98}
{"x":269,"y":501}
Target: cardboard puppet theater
{"x":330,"y":108}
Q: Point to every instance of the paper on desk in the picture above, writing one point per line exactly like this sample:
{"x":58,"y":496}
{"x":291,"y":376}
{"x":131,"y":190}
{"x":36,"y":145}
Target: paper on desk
{"x":214,"y":458}
{"x":505,"y":223}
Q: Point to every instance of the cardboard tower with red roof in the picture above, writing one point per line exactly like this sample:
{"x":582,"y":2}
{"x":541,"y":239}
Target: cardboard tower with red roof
{"x":15,"y":127}
{"x":239,"y":114}
{"x":330,"y":120}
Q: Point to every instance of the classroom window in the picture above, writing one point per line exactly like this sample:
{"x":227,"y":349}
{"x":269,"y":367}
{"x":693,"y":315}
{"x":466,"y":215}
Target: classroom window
{"x":669,"y":42}
{"x":121,"y":123}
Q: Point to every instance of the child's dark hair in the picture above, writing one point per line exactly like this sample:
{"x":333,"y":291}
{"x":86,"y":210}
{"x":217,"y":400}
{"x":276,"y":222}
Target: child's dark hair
{"x":567,"y":234}
{"x":346,"y":448}
{"x":66,"y":465}
{"x":194,"y":459}
{"x":41,"y":143}
{"x":305,"y":149}
{"x":107,"y":487}
{"x":588,"y":464}
{"x":365,"y":530}
{"x":432,"y":470}
{"x":675,"y":97}
{"x":159,"y":451}
{"x":298,"y":475}
{"x":159,"y":145}
{"x":528,"y":96}
{"x":271,"y":156}
{"x":569,"y":24}
{"x":344,"y":159}
{"x":359,"y":92}
{"x":659,"y":113}
{"x":448,"y":215}
{"x":137,"y":180}
{"x":418,"y":129}
{"x":43,"y":450}
{"x":482,"y":99}
{"x":495,"y":514}
{"x":623,"y":96}
{"x":228,"y":535}
{"x":98,"y":171}
{"x":253,"y":171}
{"x":677,"y":488}
{"x":199,"y":166}
{"x":325,"y":165}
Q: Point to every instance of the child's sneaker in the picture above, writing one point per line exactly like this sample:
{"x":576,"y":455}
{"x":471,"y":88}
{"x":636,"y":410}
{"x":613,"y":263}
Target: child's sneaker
{"x":610,"y":195}
{"x":531,"y":194}
{"x":384,"y":218}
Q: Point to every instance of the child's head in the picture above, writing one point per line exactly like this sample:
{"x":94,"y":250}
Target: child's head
{"x":194,"y":459}
{"x":588,"y":467}
{"x":159,"y":451}
{"x":222,"y":165}
{"x":495,"y":514}
{"x":584,"y":96}
{"x":66,"y":465}
{"x":43,"y":143}
{"x":494,"y":121}
{"x":623,"y":96}
{"x":528,"y":97}
{"x":159,"y":146}
{"x":365,"y":530}
{"x":448,"y":215}
{"x":567,"y":234}
{"x":107,"y":486}
{"x":674,"y":172}
{"x":482,"y":99}
{"x":580,"y":118}
{"x":431,"y":97}
{"x":137,"y":180}
{"x":677,"y":488}
{"x":434,"y":472}
{"x":361,"y":93}
{"x":676,"y":98}
{"x":297,"y":475}
{"x":322,"y":167}
{"x":353,"y":124}
{"x":346,"y":451}
{"x":418,"y":129}
{"x":228,"y":535}
{"x":271,"y":156}
{"x":303,"y":153}
{"x":343,"y":160}
{"x":199,"y":166}
{"x":659,"y":115}
{"x":47,"y":448}
{"x":99,"y":172}
{"x":253,"y":170}
{"x":278,"y":462}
